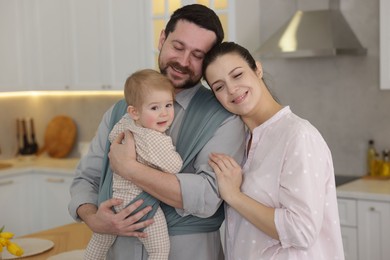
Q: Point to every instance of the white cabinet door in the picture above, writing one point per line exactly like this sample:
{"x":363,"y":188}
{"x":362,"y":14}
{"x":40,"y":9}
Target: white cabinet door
{"x":53,"y":190}
{"x":48,"y":65}
{"x":348,"y":221}
{"x":129,"y":33}
{"x":373,"y":230}
{"x":11,"y":42}
{"x":15,"y":206}
{"x":107,"y":39}
{"x":350,"y":242}
{"x":71,"y":44}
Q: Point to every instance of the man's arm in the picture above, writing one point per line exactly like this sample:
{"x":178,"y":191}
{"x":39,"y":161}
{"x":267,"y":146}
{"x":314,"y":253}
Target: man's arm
{"x":84,"y":193}
{"x":196,"y":194}
{"x":85,"y":186}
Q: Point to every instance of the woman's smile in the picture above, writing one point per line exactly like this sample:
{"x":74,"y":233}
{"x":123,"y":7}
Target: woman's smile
{"x":241,"y":98}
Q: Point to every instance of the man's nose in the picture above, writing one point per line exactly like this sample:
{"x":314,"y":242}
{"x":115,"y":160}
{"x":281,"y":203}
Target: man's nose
{"x":185,"y":59}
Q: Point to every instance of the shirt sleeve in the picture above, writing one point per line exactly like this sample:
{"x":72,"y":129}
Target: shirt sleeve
{"x":157,"y":149}
{"x":199,"y":189}
{"x":307,"y":167}
{"x":85,"y":186}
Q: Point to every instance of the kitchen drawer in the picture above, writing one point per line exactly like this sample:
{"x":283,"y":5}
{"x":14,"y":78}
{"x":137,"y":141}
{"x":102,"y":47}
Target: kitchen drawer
{"x":347,"y":212}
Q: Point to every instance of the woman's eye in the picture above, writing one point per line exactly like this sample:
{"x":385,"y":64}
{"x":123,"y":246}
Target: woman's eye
{"x":218,"y":88}
{"x":238,"y":75}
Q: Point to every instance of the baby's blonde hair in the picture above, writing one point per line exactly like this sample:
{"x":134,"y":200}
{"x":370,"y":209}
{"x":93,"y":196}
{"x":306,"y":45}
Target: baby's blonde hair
{"x":139,"y":84}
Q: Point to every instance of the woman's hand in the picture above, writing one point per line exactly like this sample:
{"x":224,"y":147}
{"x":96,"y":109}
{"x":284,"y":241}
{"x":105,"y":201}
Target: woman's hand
{"x":229,"y":175}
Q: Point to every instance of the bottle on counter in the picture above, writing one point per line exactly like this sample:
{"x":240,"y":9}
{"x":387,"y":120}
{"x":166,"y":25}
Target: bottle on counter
{"x":385,"y":164}
{"x":371,"y":158}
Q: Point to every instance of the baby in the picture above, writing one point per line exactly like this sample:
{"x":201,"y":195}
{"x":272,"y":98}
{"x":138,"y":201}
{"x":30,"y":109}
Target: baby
{"x":149,"y":96}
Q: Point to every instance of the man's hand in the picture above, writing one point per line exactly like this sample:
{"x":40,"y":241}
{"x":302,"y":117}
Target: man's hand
{"x":105,"y":221}
{"x":122,"y":154}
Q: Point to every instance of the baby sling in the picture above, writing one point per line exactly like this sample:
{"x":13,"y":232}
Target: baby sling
{"x":203,"y":117}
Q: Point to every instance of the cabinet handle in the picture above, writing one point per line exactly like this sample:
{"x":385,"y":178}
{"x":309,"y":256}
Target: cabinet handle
{"x":372,"y":209}
{"x":55,"y":180}
{"x":3,"y":183}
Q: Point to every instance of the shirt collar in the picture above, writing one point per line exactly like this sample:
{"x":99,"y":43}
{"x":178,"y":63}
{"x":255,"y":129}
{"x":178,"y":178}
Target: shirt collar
{"x":184,"y":97}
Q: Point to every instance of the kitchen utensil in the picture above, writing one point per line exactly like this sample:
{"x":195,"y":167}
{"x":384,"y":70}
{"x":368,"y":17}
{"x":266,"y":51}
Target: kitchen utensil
{"x":26,"y":149}
{"x":33,"y":144}
{"x":18,"y":139}
{"x":60,"y":136}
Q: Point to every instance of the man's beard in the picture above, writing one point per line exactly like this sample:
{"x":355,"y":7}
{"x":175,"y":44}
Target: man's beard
{"x":189,"y":83}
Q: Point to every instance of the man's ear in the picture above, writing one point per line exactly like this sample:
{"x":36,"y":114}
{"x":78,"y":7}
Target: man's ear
{"x":259,"y":70}
{"x":133,"y":113}
{"x":161,"y":39}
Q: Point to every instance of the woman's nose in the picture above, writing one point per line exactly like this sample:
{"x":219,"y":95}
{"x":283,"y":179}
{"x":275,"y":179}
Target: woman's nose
{"x":231,"y":88}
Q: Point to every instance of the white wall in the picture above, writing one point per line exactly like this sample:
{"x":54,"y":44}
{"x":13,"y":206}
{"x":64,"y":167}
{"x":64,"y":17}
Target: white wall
{"x":339,"y":95}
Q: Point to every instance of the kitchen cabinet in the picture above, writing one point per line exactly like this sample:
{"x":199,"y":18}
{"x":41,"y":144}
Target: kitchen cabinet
{"x":34,"y":200}
{"x":364,"y":210}
{"x":11,"y":50}
{"x":71,"y":45}
{"x":15,"y":206}
{"x":373,"y":230}
{"x":52,"y":189}
{"x":349,"y":230}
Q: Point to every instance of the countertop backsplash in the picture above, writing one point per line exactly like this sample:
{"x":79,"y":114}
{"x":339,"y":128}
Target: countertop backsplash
{"x":86,"y":111}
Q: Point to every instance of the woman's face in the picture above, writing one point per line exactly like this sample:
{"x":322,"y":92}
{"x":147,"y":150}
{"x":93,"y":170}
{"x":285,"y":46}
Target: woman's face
{"x":235,"y":84}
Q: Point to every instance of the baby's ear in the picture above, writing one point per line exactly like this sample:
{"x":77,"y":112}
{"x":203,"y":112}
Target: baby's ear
{"x":133,"y":112}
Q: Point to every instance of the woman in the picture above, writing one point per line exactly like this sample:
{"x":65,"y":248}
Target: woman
{"x":282,"y":203}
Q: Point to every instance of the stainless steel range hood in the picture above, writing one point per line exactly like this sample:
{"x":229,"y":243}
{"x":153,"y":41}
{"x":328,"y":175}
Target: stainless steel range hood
{"x":315,"y":33}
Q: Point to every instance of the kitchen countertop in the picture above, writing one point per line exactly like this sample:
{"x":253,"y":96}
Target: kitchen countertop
{"x":66,"y":238}
{"x":365,"y":188}
{"x":18,"y":164}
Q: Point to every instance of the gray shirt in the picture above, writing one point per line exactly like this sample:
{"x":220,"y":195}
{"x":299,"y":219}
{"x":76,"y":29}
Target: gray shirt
{"x":197,"y":182}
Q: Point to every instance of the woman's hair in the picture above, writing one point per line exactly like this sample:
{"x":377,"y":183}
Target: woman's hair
{"x":141,"y":83}
{"x":231,"y":47}
{"x":200,"y":15}
{"x":225,"y":48}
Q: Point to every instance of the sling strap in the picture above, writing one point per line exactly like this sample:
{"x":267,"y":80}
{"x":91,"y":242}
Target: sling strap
{"x":203,"y":117}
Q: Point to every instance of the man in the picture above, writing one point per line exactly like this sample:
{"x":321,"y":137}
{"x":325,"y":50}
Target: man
{"x":190,"y":199}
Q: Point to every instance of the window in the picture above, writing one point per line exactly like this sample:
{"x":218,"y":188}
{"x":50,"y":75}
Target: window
{"x":161,"y":10}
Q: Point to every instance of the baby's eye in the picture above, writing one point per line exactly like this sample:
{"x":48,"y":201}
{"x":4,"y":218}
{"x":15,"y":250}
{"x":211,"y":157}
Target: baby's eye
{"x":154,"y":108}
{"x":169,"y":105}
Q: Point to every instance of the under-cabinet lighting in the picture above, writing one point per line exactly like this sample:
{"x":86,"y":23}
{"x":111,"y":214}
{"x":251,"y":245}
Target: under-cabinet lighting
{"x":60,"y":93}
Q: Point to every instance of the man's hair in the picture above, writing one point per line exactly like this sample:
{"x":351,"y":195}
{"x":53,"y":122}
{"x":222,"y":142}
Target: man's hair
{"x":141,"y":83}
{"x":200,"y":15}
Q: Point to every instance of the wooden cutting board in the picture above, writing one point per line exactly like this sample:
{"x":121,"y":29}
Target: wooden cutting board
{"x":60,"y":136}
